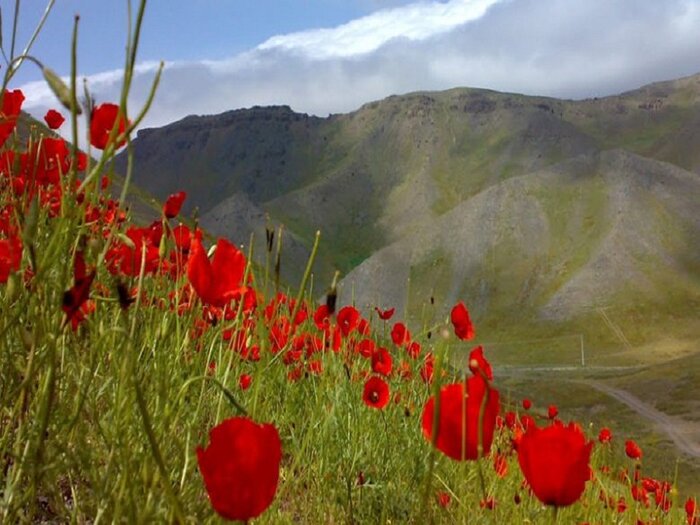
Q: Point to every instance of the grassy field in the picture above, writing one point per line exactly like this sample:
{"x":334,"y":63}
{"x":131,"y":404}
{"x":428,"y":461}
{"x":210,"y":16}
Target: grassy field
{"x":125,"y":350}
{"x":106,"y":394}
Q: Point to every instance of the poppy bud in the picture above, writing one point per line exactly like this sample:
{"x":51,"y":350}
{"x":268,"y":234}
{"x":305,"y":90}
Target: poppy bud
{"x":269,"y":237}
{"x":632,"y":450}
{"x":60,"y":89}
{"x":331,"y":299}
{"x":173,"y":204}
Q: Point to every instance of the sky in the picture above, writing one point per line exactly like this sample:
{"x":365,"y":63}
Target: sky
{"x":332,"y":56}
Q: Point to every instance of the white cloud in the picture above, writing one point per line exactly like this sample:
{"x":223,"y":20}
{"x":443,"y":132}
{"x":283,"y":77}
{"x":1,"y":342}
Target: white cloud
{"x":415,"y":22}
{"x":38,"y":92}
{"x":548,"y":47}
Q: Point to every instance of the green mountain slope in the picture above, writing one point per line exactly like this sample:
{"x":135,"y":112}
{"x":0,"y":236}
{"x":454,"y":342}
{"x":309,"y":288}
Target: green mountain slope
{"x":599,"y":230}
{"x":529,"y":207}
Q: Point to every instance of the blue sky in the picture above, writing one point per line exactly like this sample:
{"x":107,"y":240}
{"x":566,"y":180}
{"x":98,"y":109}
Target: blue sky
{"x":331,"y":56}
{"x":173,"y":29}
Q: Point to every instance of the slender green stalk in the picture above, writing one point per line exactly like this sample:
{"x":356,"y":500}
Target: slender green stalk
{"x":38,"y":28}
{"x":13,"y":63}
{"x":428,"y":483}
{"x":15,"y":23}
{"x":278,"y":258}
{"x":155,"y":450}
{"x":225,"y":391}
{"x":74,"y":113}
{"x":305,"y":278}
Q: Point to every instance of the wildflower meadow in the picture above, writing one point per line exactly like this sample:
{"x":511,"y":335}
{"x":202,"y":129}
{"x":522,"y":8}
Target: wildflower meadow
{"x":152,"y":373}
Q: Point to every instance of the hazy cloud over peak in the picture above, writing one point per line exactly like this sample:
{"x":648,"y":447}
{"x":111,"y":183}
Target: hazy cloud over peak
{"x":549,"y":47}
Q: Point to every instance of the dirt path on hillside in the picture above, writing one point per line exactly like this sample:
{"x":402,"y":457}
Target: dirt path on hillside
{"x":685,"y":435}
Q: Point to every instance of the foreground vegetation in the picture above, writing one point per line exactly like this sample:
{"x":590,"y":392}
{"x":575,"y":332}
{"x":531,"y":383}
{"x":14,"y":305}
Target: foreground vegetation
{"x":143,"y":379}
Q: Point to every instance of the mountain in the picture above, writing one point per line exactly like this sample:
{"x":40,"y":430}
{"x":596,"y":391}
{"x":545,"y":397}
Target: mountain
{"x":527,"y":207}
{"x":600,"y":229}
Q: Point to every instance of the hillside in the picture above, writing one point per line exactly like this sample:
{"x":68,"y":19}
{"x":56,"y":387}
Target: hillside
{"x":532,"y":207}
{"x":601,"y":229}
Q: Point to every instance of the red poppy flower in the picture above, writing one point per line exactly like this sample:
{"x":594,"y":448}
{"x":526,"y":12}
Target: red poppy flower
{"x":555,"y":463}
{"x":376,"y":393}
{"x":218,"y":281}
{"x":321,"y":317}
{"x":461,"y":322}
{"x":301,"y":314}
{"x":102,"y":121}
{"x":400,"y":334}
{"x":478,"y":363}
{"x":274,"y":306}
{"x":366,"y":347}
{"x":11,"y":106}
{"x":527,"y":404}
{"x":552,"y":411}
{"x":10,"y":256}
{"x":444,"y":499}
{"x":127,"y":259}
{"x":381,"y":361}
{"x":315,"y":367}
{"x":332,"y":338}
{"x":244,"y":381}
{"x":348,"y":319}
{"x":426,"y":371}
{"x":605,"y":436}
{"x":639,"y":493}
{"x":632,"y":450}
{"x":183,"y":237}
{"x":50,"y":161}
{"x":54,"y":119}
{"x":413,"y":349}
{"x":488,"y":503}
{"x":691,"y":511}
{"x":651,"y":484}
{"x":385,"y":315}
{"x":279,"y":334}
{"x":363,"y":327}
{"x":240,"y":467}
{"x":621,"y":505}
{"x":172,"y":205}
{"x":295,"y":373}
{"x":527,"y":421}
{"x":459,"y":410}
